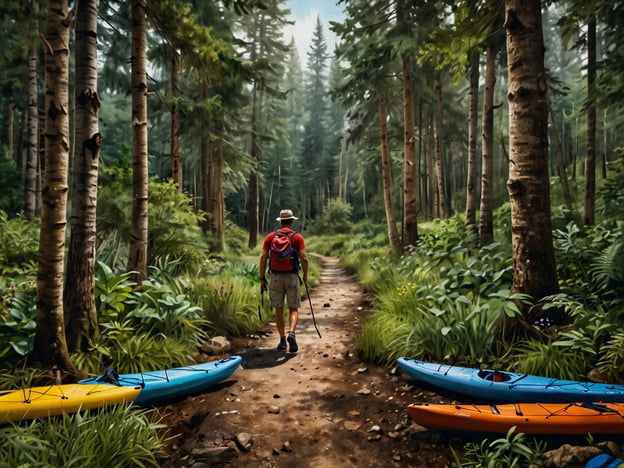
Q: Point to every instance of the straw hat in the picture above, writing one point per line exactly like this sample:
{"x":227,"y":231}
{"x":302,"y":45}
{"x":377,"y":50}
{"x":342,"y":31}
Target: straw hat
{"x":286,"y":215}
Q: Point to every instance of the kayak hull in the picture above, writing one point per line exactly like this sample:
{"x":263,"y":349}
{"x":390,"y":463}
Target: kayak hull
{"x":52,"y":400}
{"x":480,"y":384}
{"x":167,"y":385}
{"x":529,"y":418}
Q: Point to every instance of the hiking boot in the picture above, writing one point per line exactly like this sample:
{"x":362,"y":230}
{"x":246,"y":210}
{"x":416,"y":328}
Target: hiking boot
{"x":282,"y":344}
{"x":292,"y":342}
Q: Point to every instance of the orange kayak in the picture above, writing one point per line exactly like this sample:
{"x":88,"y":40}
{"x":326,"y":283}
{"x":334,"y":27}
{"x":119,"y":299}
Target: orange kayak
{"x":529,"y":418}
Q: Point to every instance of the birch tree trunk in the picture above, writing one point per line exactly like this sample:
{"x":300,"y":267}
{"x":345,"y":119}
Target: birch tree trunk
{"x":472,"y":172}
{"x":50,"y":346}
{"x":137,"y":258}
{"x":79,"y":295}
{"x":32,"y":157}
{"x":534,"y":268}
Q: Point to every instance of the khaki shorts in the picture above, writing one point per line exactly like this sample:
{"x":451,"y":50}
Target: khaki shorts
{"x":285,"y":285}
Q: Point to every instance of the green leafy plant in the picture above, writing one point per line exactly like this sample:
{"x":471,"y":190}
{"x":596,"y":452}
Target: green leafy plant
{"x":611,"y":361}
{"x":17,"y":320}
{"x":511,"y":451}
{"x":560,"y":359}
{"x":116,"y":436}
{"x":229,"y":304}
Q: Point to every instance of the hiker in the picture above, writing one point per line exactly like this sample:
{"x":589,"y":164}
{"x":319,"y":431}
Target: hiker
{"x":284,"y":249}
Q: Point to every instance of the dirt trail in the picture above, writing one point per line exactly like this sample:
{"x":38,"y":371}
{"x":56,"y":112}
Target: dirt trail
{"x":320,"y":407}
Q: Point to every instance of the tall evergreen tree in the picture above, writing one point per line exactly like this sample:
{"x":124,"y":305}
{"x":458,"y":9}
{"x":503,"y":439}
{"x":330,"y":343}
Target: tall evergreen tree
{"x":315,"y":188}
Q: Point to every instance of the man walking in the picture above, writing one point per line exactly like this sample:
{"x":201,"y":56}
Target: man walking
{"x":284,"y":251}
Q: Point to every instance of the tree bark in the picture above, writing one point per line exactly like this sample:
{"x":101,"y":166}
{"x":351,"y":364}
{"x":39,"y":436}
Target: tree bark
{"x":386,"y":174}
{"x":253,"y":189}
{"x":176,"y":166}
{"x":50,"y":346}
{"x":79,"y":296}
{"x":32,"y":158}
{"x":590,"y":160}
{"x":137,"y":259}
{"x":443,"y":208}
{"x":410,"y":182}
{"x":486,"y":225}
{"x":534,"y":268}
{"x":472,"y":170}
{"x":561,"y":170}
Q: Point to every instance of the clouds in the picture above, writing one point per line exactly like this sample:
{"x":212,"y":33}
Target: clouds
{"x":305,"y":14}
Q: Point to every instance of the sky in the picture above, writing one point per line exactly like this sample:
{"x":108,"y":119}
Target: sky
{"x":305,"y":13}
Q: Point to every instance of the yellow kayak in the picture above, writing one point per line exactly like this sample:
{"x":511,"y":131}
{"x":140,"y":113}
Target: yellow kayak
{"x":50,"y":400}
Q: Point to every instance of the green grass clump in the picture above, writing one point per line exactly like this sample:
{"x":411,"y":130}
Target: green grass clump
{"x":116,"y":436}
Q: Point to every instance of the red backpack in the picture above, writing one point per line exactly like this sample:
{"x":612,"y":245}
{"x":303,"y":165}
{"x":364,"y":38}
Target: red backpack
{"x":283,"y":255}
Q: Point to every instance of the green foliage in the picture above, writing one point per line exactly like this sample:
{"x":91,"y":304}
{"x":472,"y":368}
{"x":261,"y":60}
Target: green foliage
{"x":336,"y":219}
{"x":611,"y":361}
{"x":228,"y":303}
{"x":174,"y":227}
{"x":113,"y":291}
{"x":610,"y":196}
{"x":116,"y":436}
{"x":129,"y":350}
{"x":567,"y":358}
{"x":12,"y":199}
{"x":17,"y":320}
{"x":512,"y":451}
{"x":173,"y":224}
{"x":155,"y":327}
{"x":19,"y":246}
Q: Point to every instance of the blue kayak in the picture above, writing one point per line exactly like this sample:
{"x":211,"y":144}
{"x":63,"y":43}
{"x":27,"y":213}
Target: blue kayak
{"x":604,"y":461}
{"x":163,"y":386}
{"x":500,"y":386}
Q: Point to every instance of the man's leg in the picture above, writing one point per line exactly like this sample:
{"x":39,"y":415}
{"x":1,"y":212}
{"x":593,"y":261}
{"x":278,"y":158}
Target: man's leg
{"x":279,"y":323}
{"x":293,"y":319}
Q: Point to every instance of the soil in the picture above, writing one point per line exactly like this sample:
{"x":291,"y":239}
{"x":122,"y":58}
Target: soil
{"x":320,"y":407}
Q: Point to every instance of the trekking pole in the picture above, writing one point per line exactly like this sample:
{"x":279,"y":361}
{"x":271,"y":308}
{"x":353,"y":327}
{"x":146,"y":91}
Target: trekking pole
{"x":259,"y":311}
{"x":311,"y":309}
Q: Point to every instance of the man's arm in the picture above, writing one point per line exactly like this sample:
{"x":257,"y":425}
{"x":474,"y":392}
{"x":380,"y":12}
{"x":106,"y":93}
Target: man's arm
{"x":262,"y":269}
{"x":303,"y":258}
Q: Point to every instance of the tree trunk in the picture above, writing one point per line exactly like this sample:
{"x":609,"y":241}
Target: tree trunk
{"x":79,"y":297}
{"x":137,"y":258}
{"x":590,"y":161}
{"x":386,"y":173}
{"x":218,"y":212}
{"x":534,"y":268}
{"x":10,"y":129}
{"x":206,"y":176}
{"x":441,"y":176}
{"x":176,"y":166}
{"x":486,"y":225}
{"x":472,"y":170}
{"x":410,"y":183}
{"x":30,"y":177}
{"x":50,"y":347}
{"x":561,"y":170}
{"x":253,"y":194}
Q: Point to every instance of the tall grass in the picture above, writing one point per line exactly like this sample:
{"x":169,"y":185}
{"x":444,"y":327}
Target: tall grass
{"x":116,"y":436}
